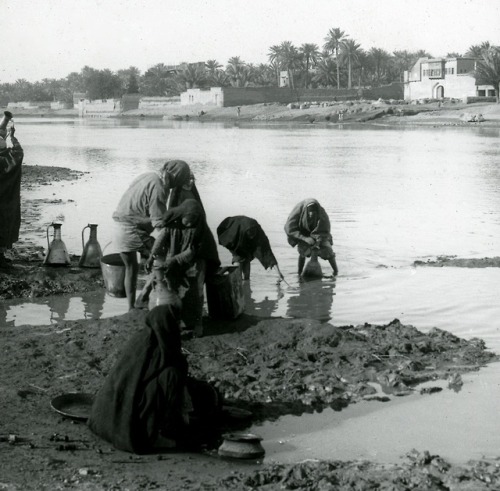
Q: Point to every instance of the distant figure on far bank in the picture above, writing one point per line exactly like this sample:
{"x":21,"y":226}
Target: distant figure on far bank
{"x":245,"y":239}
{"x":10,"y":192}
{"x":308,"y":228}
{"x":238,"y":111}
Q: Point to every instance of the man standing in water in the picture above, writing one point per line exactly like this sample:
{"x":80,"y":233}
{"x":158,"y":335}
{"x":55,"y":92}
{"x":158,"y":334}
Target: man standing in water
{"x":139,"y":212}
{"x":10,"y":193}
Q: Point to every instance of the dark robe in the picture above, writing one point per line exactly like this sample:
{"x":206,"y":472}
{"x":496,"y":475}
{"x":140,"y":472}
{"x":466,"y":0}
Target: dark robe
{"x":298,"y":226}
{"x":245,"y":239}
{"x":185,"y":244}
{"x":142,"y":394}
{"x":10,"y":194}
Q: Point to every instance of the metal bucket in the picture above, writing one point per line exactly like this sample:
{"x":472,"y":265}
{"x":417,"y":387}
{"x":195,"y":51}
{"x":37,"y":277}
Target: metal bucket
{"x":113,"y":273}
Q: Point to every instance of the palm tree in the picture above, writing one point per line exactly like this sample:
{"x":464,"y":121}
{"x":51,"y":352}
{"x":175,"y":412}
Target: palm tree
{"x":403,"y":62}
{"x":325,"y":72}
{"x":349,"y":51}
{"x":291,"y":59}
{"x":332,"y":43}
{"x":263,"y":75}
{"x":310,"y":53}
{"x":476,"y":50}
{"x":239,"y":74}
{"x":488,"y":69}
{"x":193,"y":76}
{"x":380,"y":60}
{"x":274,"y":57}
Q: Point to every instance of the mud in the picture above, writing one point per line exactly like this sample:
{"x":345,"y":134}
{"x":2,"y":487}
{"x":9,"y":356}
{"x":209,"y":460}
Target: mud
{"x":271,"y":367}
{"x":456,"y":262}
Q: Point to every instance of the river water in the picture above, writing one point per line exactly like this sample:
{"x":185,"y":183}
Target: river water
{"x":394,"y":195}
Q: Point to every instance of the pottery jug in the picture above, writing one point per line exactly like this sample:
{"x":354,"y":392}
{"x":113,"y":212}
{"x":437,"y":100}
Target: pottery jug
{"x":313,"y":269}
{"x":57,"y":255}
{"x":161,"y":293}
{"x":92,"y":253}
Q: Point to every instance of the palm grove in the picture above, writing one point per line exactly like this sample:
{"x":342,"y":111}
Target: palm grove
{"x":340,"y":63}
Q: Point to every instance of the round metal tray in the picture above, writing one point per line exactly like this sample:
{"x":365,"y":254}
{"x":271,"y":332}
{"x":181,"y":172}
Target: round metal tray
{"x":74,"y":406}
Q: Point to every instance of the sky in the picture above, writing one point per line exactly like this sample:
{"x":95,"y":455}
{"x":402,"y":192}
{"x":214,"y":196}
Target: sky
{"x":52,"y":38}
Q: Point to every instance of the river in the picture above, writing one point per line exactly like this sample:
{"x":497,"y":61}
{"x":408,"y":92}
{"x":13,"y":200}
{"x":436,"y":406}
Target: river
{"x":394,"y":195}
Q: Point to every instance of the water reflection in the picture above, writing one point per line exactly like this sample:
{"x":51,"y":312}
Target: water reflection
{"x":313,"y":300}
{"x":262,"y":308}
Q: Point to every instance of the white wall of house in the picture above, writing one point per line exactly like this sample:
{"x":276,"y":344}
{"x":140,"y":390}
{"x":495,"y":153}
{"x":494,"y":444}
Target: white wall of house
{"x":437,"y":78}
{"x":213,"y":96}
{"x":102,"y":108}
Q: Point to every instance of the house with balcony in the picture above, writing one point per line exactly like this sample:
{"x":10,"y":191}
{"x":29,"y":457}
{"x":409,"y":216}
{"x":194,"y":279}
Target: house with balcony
{"x":437,"y":78}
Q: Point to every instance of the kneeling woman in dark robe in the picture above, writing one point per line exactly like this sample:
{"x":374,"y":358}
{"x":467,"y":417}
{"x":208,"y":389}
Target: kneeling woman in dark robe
{"x":245,"y":239}
{"x":147,"y":398}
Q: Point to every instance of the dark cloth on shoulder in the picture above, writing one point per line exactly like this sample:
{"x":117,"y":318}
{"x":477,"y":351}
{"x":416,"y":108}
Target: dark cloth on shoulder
{"x":246,"y":240}
{"x":142,"y":394}
{"x":297,"y":226}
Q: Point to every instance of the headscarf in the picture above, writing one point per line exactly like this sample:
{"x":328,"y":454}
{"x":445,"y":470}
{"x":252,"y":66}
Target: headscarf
{"x":179,"y":172}
{"x":297,"y":224}
{"x":145,"y":385}
{"x":244,"y":237}
{"x":199,"y":237}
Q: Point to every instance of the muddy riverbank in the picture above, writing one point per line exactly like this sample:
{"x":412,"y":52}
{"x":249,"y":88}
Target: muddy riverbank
{"x":271,"y":367}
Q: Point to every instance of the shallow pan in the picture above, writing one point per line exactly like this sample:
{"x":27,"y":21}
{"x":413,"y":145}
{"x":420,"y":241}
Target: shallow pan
{"x":74,"y":406}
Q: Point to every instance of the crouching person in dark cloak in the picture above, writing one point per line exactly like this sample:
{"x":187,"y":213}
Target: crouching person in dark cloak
{"x":147,"y":402}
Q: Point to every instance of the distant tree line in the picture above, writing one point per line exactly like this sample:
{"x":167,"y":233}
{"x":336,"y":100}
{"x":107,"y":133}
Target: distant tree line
{"x":339,"y":63}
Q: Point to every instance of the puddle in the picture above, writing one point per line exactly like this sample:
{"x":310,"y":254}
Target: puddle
{"x":458,"y":426}
{"x":54,"y":309}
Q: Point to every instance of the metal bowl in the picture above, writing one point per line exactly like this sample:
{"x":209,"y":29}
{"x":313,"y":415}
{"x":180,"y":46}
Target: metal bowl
{"x":74,"y":406}
{"x":241,"y":446}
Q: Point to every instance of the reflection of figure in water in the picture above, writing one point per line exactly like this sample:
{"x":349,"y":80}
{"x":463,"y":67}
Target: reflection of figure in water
{"x":93,"y":304}
{"x":314,"y":300}
{"x":245,"y":239}
{"x":264,"y":308}
{"x":60,"y":306}
{"x":308,"y":228}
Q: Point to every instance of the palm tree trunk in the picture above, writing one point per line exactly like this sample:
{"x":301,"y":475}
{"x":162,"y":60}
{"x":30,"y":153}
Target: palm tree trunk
{"x":338,"y":67}
{"x":349,"y":81}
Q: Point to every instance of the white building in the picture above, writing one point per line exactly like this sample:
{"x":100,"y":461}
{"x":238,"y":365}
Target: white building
{"x":436,"y":78}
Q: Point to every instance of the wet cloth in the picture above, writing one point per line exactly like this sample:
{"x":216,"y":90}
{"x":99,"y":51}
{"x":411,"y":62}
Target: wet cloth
{"x":142,"y":396}
{"x":10,"y":193}
{"x":245,"y":239}
{"x":298,"y":227}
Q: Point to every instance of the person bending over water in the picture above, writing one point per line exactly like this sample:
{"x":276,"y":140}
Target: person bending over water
{"x":245,"y":239}
{"x":308,"y":228}
{"x":140,"y":212}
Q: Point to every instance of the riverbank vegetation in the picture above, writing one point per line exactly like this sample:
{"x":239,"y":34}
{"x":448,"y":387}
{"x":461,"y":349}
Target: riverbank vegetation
{"x":340,"y":62}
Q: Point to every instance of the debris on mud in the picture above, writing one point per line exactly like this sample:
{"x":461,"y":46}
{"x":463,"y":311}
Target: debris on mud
{"x":456,"y":262}
{"x":302,"y":365}
{"x":419,"y":470}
